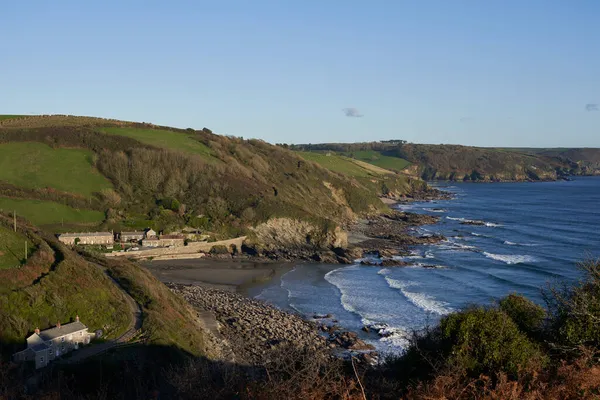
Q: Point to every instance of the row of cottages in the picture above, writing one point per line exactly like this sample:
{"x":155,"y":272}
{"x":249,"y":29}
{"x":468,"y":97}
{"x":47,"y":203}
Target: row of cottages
{"x":164,"y":241}
{"x":148,"y":238}
{"x":45,"y":346}
{"x":136,"y":236}
{"x":104,"y":238}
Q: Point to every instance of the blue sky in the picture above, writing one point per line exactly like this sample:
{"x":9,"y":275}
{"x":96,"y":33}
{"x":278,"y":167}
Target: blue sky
{"x":489,"y":73}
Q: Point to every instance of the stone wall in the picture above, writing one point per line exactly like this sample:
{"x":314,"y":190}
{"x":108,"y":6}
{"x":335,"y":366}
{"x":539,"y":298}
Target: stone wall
{"x":191,"y":248}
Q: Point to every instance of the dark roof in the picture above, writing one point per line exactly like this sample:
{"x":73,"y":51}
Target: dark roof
{"x":39,"y":347}
{"x":85,"y":234}
{"x":67,"y":329}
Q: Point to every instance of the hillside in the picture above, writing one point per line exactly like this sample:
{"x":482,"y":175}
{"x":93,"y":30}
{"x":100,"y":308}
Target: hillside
{"x":465,"y":163}
{"x":68,"y":173}
{"x":56,"y":284}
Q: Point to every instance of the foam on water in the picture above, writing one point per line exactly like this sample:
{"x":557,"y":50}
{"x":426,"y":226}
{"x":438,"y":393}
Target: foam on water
{"x":488,"y":224}
{"x":396,"y":338}
{"x":510,"y":258}
{"x":435,"y":210}
{"x":333,"y":279}
{"x":509,"y":243}
{"x":423,"y":301}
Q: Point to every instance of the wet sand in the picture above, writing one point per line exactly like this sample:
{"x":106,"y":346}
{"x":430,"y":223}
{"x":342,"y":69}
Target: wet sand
{"x":231,"y":275}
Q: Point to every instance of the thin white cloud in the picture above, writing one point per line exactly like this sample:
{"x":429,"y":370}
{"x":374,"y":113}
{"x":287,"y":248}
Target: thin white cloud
{"x":591,"y":107}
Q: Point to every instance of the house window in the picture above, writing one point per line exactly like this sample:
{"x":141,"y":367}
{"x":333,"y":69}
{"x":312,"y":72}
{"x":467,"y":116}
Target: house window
{"x":51,"y":351}
{"x":63,"y":347}
{"x":80,"y":333}
{"x":62,"y":339}
{"x":42,"y":360}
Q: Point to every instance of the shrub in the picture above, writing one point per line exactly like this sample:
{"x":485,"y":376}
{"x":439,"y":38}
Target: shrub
{"x":528,"y":316}
{"x":574,"y":311}
{"x":170,"y":203}
{"x":486,"y":340}
{"x":475,"y":341}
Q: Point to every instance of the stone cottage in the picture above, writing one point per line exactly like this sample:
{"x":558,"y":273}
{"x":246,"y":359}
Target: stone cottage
{"x":129,"y":237}
{"x":47,"y":345}
{"x":104,"y":238}
{"x":149,"y":233}
{"x":164,"y":241}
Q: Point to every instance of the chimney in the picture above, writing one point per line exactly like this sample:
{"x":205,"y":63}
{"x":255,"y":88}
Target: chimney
{"x":77,"y":318}
{"x":37,"y":330}
{"x":58,"y":324}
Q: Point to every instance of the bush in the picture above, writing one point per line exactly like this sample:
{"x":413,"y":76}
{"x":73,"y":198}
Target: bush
{"x":575,"y":310}
{"x":468,"y":343}
{"x":528,"y":316}
{"x":170,"y":203}
{"x":486,"y":340}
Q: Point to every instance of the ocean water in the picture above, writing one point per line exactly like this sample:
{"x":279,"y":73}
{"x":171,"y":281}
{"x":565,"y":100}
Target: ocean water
{"x":534,"y":235}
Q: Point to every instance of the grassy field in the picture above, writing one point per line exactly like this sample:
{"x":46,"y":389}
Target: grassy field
{"x":335,"y":163}
{"x":41,"y":212}
{"x":36,"y":165}
{"x":376,"y":158}
{"x":167,"y":139}
{"x":12,"y":248}
{"x":10,"y":116}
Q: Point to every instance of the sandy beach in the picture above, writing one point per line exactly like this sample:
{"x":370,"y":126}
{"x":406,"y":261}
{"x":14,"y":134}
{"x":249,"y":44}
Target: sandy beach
{"x":231,"y":275}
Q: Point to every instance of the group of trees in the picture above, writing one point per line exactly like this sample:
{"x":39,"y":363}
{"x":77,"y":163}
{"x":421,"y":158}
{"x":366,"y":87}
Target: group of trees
{"x":383,"y":146}
{"x":243,"y":182}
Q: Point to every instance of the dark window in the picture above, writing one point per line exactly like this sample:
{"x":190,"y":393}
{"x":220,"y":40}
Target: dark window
{"x":62,"y":339}
{"x":41,"y":359}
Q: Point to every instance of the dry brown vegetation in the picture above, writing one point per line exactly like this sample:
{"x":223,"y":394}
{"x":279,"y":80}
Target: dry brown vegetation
{"x":496,"y":352}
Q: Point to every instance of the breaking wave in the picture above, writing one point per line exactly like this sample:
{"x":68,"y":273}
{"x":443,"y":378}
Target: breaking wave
{"x":435,"y":210}
{"x":423,"y":301}
{"x":510,"y":258}
{"x":482,"y":223}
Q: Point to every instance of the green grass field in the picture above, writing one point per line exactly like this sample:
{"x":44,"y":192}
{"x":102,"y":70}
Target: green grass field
{"x":376,"y":158}
{"x":36,"y":165}
{"x":41,"y":212}
{"x":12,"y":248}
{"x":167,"y":139}
{"x":10,"y":116}
{"x":337,"y":163}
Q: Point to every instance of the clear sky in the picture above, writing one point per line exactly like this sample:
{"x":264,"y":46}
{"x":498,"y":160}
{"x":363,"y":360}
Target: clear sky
{"x":490,"y":73}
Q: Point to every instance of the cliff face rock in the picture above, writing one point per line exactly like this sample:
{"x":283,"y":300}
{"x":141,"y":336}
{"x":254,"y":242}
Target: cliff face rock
{"x":287,"y":233}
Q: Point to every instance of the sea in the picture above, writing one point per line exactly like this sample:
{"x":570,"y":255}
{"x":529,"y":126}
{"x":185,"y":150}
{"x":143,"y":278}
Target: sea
{"x":533,"y":236}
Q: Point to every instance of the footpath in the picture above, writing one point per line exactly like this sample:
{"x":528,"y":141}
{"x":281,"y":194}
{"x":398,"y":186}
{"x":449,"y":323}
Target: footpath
{"x":134,"y":327}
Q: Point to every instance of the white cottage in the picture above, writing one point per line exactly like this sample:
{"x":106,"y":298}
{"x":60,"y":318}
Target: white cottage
{"x":45,"y":346}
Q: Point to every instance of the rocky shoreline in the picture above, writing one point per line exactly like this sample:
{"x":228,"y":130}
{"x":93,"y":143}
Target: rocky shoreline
{"x":386,"y":234}
{"x":255,"y":331}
